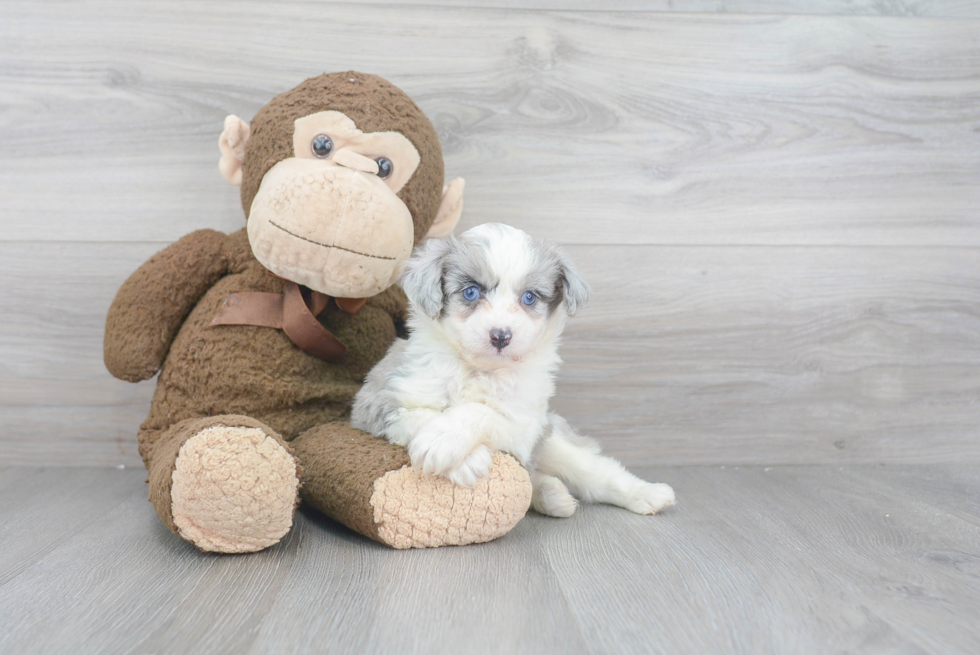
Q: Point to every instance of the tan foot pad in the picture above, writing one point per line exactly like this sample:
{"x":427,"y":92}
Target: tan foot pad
{"x":234,"y":490}
{"x":418,"y":510}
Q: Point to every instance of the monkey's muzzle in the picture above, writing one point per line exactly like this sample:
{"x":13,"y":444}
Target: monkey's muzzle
{"x":336,"y":230}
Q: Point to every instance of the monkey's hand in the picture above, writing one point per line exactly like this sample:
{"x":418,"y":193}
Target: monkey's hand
{"x":152,"y":304}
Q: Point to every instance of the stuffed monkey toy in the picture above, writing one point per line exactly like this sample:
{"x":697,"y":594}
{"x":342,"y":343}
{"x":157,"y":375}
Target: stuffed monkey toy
{"x":262,"y":337}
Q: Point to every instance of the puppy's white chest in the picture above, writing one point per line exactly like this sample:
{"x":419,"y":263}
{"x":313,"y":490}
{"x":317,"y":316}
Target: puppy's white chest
{"x":509,"y":395}
{"x":480,"y":388}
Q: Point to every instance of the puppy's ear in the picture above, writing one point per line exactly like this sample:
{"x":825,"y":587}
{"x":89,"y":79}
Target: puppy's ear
{"x":575,"y":291}
{"x":422,"y":279}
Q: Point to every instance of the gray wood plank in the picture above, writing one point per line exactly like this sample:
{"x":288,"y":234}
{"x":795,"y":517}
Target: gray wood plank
{"x":774,"y":560}
{"x":751,"y":560}
{"x":66,"y":435}
{"x":43,"y":508}
{"x":124,"y":578}
{"x":128,"y":585}
{"x":783,"y":355}
{"x":907,"y":8}
{"x":592,"y":126}
{"x":891,"y":550}
{"x":361,"y":597}
{"x":950,"y":489}
{"x":684,"y":355}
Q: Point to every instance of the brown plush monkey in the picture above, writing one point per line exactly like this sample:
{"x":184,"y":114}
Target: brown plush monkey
{"x":263,"y":337}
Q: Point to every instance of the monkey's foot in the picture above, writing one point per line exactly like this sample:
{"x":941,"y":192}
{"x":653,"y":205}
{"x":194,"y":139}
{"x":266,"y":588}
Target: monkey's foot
{"x":234,"y":490}
{"x":413,"y":509}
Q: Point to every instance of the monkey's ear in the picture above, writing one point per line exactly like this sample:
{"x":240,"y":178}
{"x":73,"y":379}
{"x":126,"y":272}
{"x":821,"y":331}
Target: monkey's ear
{"x":232,"y":144}
{"x":422,"y":279}
{"x":449,"y":210}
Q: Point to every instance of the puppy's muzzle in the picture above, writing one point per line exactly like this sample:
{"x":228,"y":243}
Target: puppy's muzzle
{"x":499,"y":338}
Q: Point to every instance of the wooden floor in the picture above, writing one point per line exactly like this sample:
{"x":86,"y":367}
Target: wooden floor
{"x":752,"y":560}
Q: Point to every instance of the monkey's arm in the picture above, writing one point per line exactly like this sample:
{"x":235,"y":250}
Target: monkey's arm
{"x":152,"y":304}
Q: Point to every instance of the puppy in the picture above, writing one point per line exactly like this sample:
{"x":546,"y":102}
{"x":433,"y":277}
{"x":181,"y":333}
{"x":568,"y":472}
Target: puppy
{"x":486,"y":314}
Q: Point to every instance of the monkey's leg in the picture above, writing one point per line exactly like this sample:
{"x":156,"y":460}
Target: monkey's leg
{"x":227,"y":484}
{"x":368,"y":485}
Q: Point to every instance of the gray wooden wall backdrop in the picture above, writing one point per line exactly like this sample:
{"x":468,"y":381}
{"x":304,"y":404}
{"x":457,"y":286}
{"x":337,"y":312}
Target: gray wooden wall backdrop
{"x":779,"y":212}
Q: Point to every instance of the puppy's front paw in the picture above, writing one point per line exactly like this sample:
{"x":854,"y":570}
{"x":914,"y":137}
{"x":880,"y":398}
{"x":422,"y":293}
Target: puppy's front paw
{"x":476,"y":465}
{"x":439,"y":447}
{"x":551,"y":498}
{"x":650,"y":498}
{"x":430,"y":452}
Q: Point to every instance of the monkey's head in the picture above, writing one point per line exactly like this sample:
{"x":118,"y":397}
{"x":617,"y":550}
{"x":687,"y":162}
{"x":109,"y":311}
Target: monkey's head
{"x":340,"y":177}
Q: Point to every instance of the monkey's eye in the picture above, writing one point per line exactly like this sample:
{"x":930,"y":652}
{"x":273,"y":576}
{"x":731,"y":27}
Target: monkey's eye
{"x":528,"y":298}
{"x":471,"y":293}
{"x":321,"y":146}
{"x":385,"y":167}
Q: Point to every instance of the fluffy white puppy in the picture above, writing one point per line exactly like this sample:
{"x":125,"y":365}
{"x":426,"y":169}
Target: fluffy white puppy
{"x":476,"y":374}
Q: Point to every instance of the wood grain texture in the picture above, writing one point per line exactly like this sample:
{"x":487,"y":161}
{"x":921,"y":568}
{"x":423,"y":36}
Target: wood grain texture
{"x":751,"y":560}
{"x":907,"y":8}
{"x":777,"y":560}
{"x":684,"y":355}
{"x":427,"y":601}
{"x":778,"y":213}
{"x":780,"y":355}
{"x":589,"y":127}
{"x":44,"y":508}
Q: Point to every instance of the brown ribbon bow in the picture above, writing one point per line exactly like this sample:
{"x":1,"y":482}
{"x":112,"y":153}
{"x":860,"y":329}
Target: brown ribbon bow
{"x":293,"y":311}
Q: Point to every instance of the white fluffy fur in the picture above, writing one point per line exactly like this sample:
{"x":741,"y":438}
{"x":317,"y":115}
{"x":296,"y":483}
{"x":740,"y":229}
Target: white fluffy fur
{"x":452,"y":398}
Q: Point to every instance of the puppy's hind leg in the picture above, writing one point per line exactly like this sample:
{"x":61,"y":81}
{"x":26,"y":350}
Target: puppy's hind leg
{"x":550,"y":496}
{"x":591,"y":476}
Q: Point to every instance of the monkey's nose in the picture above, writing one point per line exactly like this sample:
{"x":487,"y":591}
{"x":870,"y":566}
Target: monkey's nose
{"x":499,"y":338}
{"x":355,"y":161}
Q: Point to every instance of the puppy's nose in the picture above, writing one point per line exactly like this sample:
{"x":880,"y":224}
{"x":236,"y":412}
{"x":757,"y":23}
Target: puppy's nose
{"x":499,"y":338}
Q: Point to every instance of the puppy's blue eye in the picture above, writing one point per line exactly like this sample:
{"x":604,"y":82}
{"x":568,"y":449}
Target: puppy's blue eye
{"x":528,"y":298}
{"x":471,"y":293}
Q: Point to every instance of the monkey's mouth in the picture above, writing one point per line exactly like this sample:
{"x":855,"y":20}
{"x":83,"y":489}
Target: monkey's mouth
{"x":327,"y":245}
